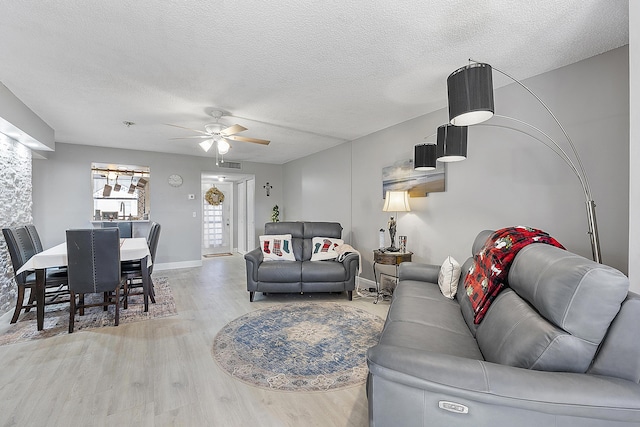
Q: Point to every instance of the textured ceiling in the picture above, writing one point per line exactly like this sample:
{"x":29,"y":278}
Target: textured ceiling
{"x":305,"y":75}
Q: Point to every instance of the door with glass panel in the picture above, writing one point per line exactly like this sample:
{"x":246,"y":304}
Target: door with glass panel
{"x":216,"y":217}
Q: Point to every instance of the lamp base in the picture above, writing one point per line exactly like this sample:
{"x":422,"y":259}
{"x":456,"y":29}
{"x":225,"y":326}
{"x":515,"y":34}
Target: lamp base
{"x":392,"y":249}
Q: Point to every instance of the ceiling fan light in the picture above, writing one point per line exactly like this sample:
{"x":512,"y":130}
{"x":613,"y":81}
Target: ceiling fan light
{"x":223,"y":146}
{"x":206,"y":144}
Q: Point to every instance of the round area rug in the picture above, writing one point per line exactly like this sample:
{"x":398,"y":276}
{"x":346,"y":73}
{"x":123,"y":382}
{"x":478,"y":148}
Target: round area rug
{"x":299,"y":347}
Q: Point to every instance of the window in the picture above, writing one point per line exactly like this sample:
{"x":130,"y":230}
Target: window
{"x":120,"y":192}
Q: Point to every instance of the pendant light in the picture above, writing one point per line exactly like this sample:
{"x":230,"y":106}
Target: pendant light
{"x":452,"y":143}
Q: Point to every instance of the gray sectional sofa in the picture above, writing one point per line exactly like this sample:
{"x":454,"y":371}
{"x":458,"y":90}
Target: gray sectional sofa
{"x":559,"y":347}
{"x":301,"y":275}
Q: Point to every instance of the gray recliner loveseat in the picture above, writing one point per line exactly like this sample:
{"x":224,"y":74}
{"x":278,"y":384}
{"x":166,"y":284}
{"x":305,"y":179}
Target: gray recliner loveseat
{"x":559,"y":347}
{"x":301,"y":275}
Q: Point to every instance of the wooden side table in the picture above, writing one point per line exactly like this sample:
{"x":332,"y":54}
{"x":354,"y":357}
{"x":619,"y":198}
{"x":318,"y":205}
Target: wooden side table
{"x":388,"y":258}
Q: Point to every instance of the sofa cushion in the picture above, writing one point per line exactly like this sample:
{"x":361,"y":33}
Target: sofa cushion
{"x":574,"y":293}
{"x":619,"y":354}
{"x":422,"y":318}
{"x":449,"y":277}
{"x":277,"y":247}
{"x":324,"y":248}
{"x":283,"y":271}
{"x":323,"y":271}
{"x":480,"y":240}
{"x":318,"y":229}
{"x":463,"y":298}
{"x":296,"y":229}
{"x":513,"y":333}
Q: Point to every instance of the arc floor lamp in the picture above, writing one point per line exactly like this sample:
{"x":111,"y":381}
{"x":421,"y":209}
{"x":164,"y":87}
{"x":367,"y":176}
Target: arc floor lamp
{"x":470,"y":91}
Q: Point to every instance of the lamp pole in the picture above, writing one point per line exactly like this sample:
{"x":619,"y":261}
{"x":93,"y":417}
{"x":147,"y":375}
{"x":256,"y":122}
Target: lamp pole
{"x":578,"y":169}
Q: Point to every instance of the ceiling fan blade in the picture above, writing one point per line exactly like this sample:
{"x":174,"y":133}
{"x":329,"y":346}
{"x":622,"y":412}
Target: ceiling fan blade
{"x":194,"y":130}
{"x":232,"y":129}
{"x":245,"y":139}
{"x":196,"y":137}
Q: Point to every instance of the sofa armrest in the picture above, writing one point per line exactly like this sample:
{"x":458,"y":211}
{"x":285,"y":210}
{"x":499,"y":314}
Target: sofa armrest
{"x":253,"y":260}
{"x":557,"y":393}
{"x":351,"y":263}
{"x":417,"y":271}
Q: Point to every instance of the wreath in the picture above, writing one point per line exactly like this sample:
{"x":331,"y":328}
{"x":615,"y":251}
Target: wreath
{"x":214,"y":197}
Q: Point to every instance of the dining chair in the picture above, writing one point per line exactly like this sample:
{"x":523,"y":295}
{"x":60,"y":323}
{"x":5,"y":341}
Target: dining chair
{"x":133,"y":269}
{"x":21,"y":249}
{"x":35,"y":237}
{"x":126,"y":229}
{"x":94,"y":267}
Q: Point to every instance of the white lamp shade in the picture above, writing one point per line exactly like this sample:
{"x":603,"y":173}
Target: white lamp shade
{"x":396,"y":201}
{"x":206,"y":144}
{"x":223,"y":146}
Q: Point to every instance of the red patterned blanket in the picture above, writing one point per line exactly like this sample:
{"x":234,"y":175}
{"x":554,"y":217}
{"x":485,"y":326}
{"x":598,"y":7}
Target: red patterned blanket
{"x":489,"y":272}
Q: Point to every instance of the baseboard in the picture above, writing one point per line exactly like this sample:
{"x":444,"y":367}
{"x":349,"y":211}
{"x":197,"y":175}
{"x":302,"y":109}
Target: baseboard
{"x":362,"y":283}
{"x":176,"y":265}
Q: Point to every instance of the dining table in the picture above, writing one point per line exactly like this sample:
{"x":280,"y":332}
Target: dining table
{"x":131,"y":249}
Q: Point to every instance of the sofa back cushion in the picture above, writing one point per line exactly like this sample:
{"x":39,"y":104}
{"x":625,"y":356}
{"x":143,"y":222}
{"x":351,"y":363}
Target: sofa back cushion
{"x":302,"y":234}
{"x":556,"y":314}
{"x":461,"y":296}
{"x":318,"y":229}
{"x":513,"y":333}
{"x":480,"y":240}
{"x":619,"y":354}
{"x":574,"y":293}
{"x":296,"y":229}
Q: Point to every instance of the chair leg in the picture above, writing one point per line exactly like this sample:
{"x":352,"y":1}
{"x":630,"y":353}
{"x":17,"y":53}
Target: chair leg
{"x":117,"y":301}
{"x":81,"y":303}
{"x":32,"y":300}
{"x":125,"y":295}
{"x":152,"y":292}
{"x":106,"y":301}
{"x":72,"y":311}
{"x":19,"y":302}
{"x":350,"y":295}
{"x":251,"y":294}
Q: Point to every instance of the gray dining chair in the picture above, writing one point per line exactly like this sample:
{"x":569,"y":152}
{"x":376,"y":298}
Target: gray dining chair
{"x":94,"y":267}
{"x":133,"y":269}
{"x":21,"y":249}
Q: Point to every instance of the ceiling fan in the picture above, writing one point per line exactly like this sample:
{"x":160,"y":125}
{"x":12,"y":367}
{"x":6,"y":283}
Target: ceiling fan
{"x":219,"y":133}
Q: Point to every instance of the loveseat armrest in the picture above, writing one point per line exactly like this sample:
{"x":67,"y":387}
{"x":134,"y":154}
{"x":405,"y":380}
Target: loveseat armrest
{"x":253,"y":260}
{"x":418,"y":271}
{"x":351,"y":263}
{"x":486,"y":384}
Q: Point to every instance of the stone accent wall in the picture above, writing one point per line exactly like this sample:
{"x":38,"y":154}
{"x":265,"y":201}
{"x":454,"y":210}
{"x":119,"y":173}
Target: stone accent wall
{"x":15,"y":208}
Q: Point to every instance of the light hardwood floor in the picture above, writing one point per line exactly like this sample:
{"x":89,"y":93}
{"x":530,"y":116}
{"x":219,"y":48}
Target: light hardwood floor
{"x":160,"y":372}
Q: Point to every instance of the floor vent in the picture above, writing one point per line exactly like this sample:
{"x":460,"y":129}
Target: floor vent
{"x":231,"y":165}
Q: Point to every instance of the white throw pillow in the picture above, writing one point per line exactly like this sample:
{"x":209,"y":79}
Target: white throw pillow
{"x":324,"y":248}
{"x":277,"y":247}
{"x":448,"y":277}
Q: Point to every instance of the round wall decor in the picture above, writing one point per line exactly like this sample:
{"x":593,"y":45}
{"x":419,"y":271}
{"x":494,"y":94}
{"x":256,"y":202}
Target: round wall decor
{"x":175,"y":180}
{"x":214,"y":197}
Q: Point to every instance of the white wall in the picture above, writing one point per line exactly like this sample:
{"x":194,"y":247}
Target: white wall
{"x":508,"y":178}
{"x":62,"y":195}
{"x":318,"y":188}
{"x":634,"y":144}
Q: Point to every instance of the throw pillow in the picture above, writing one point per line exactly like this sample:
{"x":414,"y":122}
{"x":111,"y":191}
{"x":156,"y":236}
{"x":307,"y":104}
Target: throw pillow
{"x":277,"y":247}
{"x":448,"y":277}
{"x":324,"y":248}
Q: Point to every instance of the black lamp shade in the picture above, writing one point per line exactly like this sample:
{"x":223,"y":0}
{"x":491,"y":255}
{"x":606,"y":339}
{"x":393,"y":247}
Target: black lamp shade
{"x":424,"y":157}
{"x":452,"y":143}
{"x":470,"y":91}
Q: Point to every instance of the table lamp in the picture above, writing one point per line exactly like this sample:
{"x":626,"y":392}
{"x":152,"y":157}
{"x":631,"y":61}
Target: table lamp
{"x":395,"y":201}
